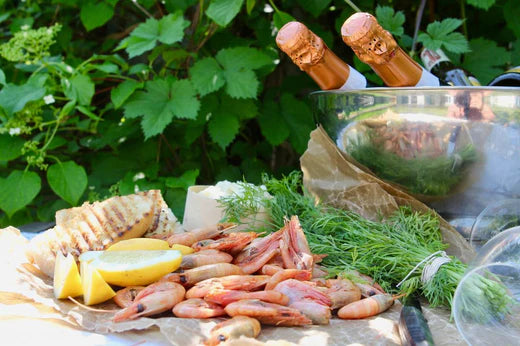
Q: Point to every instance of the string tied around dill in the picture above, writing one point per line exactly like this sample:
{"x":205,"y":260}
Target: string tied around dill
{"x":432,"y":264}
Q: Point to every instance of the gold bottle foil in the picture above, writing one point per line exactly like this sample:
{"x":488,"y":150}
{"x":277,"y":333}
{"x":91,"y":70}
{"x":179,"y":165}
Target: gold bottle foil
{"x":311,"y":55}
{"x":376,"y":47}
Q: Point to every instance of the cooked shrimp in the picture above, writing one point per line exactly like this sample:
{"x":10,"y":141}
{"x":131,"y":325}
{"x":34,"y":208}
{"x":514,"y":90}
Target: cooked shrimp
{"x":319,"y":271}
{"x":267,"y":313}
{"x":367,"y":307}
{"x":366,"y":284}
{"x":234,"y":328}
{"x":205,"y":257}
{"x":308,"y":299}
{"x":197,"y":308}
{"x":193,"y":236}
{"x":270,"y":269}
{"x":233,"y":242}
{"x":258,"y":253}
{"x":342,"y":292}
{"x":167,"y":295}
{"x":231,"y":282}
{"x":298,"y":274}
{"x":316,"y":312}
{"x":294,"y":248}
{"x":277,"y":259}
{"x":192,"y":276}
{"x":299,"y":290}
{"x":225,"y":297}
{"x":126,"y":296}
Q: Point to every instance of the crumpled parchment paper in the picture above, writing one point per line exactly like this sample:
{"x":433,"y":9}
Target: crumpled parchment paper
{"x":25,"y":292}
{"x":336,"y":178}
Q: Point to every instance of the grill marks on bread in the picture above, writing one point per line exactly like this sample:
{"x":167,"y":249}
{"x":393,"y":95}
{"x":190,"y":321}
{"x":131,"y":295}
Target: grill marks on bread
{"x":98,"y":225}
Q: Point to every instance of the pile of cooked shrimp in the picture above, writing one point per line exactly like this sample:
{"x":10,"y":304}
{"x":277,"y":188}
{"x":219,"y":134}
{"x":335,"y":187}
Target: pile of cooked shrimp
{"x":273,"y":280}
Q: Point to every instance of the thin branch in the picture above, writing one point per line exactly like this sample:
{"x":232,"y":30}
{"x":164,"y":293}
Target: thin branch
{"x":418,"y":19}
{"x":141,"y":8}
{"x":354,"y":7}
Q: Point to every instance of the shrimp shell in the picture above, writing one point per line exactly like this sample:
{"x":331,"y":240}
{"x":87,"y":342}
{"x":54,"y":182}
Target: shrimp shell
{"x":193,"y":236}
{"x":126,"y":296}
{"x":234,"y":328}
{"x":205,"y":257}
{"x":197,"y":308}
{"x":267,"y":313}
{"x":192,"y":276}
{"x":225,"y":297}
{"x":298,"y":274}
{"x":367,"y":307}
{"x":230,"y":282}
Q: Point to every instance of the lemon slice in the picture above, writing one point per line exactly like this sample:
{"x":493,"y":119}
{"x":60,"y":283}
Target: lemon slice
{"x":89,"y":256}
{"x":185,"y":250}
{"x":140,"y":244}
{"x":95,"y":289}
{"x":138,"y":267}
{"x":67,"y":282}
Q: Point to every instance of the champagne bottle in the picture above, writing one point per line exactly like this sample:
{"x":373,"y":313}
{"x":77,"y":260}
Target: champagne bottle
{"x":510,"y":78}
{"x":376,"y":47}
{"x":440,"y":65}
{"x":311,"y":55}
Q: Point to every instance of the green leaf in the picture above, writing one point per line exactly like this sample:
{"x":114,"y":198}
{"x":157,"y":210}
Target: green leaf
{"x":281,"y":18}
{"x":13,"y":98}
{"x":171,"y":28}
{"x":483,"y":4}
{"x":250,"y":4}
{"x":163,"y":99}
{"x":123,"y":91}
{"x":272,"y":125}
{"x":223,"y":11}
{"x":243,"y":57}
{"x":10,"y":147}
{"x":223,"y":127}
{"x":299,"y":119}
{"x":95,"y":14}
{"x":18,"y":190}
{"x":440,"y":34}
{"x":241,"y":83}
{"x":2,"y":77}
{"x":511,"y":15}
{"x":187,"y":179}
{"x":88,"y":113}
{"x":79,"y":88}
{"x":487,"y":60}
{"x":68,"y":180}
{"x":108,"y":67}
{"x":314,"y":7}
{"x":390,"y":20}
{"x":207,"y":76}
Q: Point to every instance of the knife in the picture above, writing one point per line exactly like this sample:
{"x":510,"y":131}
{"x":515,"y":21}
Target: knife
{"x":413,"y":327}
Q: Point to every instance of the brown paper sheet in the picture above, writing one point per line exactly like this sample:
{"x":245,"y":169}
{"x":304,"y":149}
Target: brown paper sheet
{"x":27,"y":301}
{"x":336,"y":178}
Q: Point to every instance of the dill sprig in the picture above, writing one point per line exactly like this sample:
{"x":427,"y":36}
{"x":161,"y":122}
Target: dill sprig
{"x":387,"y":249}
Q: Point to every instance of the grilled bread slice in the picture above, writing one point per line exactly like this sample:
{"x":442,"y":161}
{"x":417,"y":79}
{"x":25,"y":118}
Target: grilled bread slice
{"x":164,"y":222}
{"x":93,"y":227}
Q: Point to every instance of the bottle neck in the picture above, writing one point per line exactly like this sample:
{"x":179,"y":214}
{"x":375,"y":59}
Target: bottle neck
{"x":400,"y":70}
{"x":333,"y":73}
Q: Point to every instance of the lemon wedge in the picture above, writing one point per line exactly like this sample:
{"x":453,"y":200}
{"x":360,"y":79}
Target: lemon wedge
{"x":67,"y":282}
{"x":139,"y":244}
{"x":95,"y":289}
{"x":185,"y":250}
{"x":138,"y":267}
{"x":89,"y":256}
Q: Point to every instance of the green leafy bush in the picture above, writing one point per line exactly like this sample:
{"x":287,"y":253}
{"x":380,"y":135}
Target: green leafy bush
{"x":108,"y":97}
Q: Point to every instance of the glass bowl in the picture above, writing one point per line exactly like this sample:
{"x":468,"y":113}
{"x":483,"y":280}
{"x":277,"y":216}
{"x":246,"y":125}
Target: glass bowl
{"x":455,"y":148}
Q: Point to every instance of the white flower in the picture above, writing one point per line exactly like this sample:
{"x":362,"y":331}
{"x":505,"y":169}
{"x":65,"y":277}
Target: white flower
{"x":48,"y":99}
{"x":268,"y":8}
{"x":67,"y":83}
{"x":14,"y":131}
{"x":25,"y":27}
{"x":276,"y":61}
{"x":69,"y":69}
{"x":91,"y":188}
{"x":136,"y":188}
{"x":121,"y":140}
{"x":138,"y":176}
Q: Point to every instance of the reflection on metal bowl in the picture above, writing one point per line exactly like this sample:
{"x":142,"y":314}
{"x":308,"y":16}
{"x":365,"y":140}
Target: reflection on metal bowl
{"x":455,"y":148}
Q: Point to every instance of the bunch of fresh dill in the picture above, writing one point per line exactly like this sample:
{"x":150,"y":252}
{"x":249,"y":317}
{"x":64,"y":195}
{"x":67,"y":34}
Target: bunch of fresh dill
{"x":386,"y":250}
